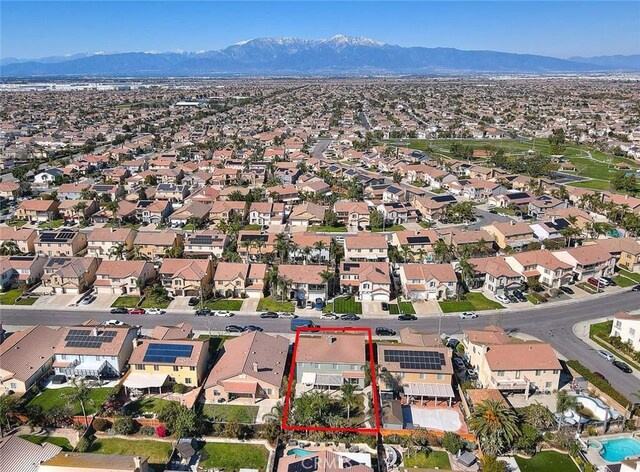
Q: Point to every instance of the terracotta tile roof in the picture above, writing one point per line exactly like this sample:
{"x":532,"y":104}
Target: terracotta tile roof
{"x":426,"y":272}
{"x":488,"y":335}
{"x":188,"y":269}
{"x":156,"y":238}
{"x":99,"y":235}
{"x":542,"y":257}
{"x":306,"y":274}
{"x":231,"y":271}
{"x":522,"y":356}
{"x":23,"y":353}
{"x":343,"y":348}
{"x":365,"y":241}
{"x":122,"y":269}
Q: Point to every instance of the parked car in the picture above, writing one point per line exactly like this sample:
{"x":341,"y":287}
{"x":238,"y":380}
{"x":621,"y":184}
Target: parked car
{"x":513,"y":298}
{"x":193,"y":301}
{"x":288,"y":315}
{"x":468,"y":315}
{"x":350,"y":317}
{"x":519,"y":295}
{"x":385,"y":306}
{"x":622,"y":366}
{"x":222,"y":313}
{"x":137,"y":311}
{"x":595,"y":282}
{"x":119,"y":311}
{"x":600,"y":376}
{"x":268,"y":314}
{"x":567,"y":290}
{"x":452,"y":343}
{"x":502,"y":299}
{"x":234,"y":329}
{"x":636,"y":288}
{"x":203,"y":312}
{"x":385,"y":332}
{"x":608,"y":281}
{"x":605,"y":355}
{"x":88,"y":300}
{"x":407,"y":317}
{"x":155,"y":311}
{"x":112,"y":323}
{"x":458,"y":363}
{"x":329,"y":316}
{"x":251,"y":328}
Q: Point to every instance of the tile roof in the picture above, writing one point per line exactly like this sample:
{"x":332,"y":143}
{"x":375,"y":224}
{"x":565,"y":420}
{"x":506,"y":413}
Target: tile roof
{"x":332,"y":348}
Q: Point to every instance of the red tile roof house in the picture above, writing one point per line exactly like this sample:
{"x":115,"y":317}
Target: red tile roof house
{"x":588,"y":261}
{"x":37,"y":211}
{"x":494,"y":275}
{"x":543,"y":265}
{"x":123,"y":277}
{"x":266,"y":213}
{"x":371,"y":281}
{"x":185,"y":277}
{"x":249,"y":366}
{"x":329,"y":360}
{"x":305,"y":282}
{"x":110,"y":243}
{"x":428,"y":281}
{"x":367,"y":247}
{"x":23,"y":237}
{"x":354,"y":215}
{"x":232,"y":279}
{"x":26,"y":269}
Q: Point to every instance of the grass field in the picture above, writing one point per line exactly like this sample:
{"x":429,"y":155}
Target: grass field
{"x":591,"y":184}
{"x":11,"y":298}
{"x":52,"y":224}
{"x":158,"y":451}
{"x":344,"y":305}
{"x":404,"y":307}
{"x":150,"y":302}
{"x":251,"y":228}
{"x":429,"y":460}
{"x":127,"y":301}
{"x":547,"y":461}
{"x":623,"y":281}
{"x":52,"y":398}
{"x":269,"y":304}
{"x":146,"y":405}
{"x":233,"y":457}
{"x":230,"y":305}
{"x":224,"y":413}
{"x":57,"y":440}
{"x":472,"y":302}
{"x":630,"y":275}
{"x":327,"y":229}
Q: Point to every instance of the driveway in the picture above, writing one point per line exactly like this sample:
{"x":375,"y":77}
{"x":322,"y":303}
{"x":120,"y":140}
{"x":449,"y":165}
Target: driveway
{"x":427,"y":308}
{"x":372,"y":308}
{"x":180,"y":303}
{"x":103,"y":301}
{"x":250,"y":305}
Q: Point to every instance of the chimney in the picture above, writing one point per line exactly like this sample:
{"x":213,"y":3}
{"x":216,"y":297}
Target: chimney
{"x":331,"y":339}
{"x":136,"y":343}
{"x":94,"y":332}
{"x":512,"y":222}
{"x":255,"y":367}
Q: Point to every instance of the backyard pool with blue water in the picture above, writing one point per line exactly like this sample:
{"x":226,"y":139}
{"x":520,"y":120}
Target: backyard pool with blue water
{"x":616,"y":450}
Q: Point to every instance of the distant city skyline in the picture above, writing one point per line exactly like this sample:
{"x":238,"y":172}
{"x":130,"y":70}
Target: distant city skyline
{"x":559,"y":29}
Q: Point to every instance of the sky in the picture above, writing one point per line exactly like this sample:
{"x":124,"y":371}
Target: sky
{"x":34,"y":29}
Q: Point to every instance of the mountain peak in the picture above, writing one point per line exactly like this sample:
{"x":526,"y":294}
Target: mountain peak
{"x":352,"y":40}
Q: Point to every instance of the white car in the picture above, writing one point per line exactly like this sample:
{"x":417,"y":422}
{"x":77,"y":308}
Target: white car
{"x":288,"y":315}
{"x":155,"y":311}
{"x":328,"y":316}
{"x":605,"y":355}
{"x":503,"y":299}
{"x":222,"y":313}
{"x":467,"y":315}
{"x":112,"y":323}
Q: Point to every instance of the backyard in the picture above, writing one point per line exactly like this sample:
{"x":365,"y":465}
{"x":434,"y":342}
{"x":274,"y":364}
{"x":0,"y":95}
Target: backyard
{"x":56,"y":398}
{"x":429,"y":460}
{"x":547,"y":461}
{"x":145,"y":405}
{"x":471,"y":302}
{"x":158,"y":451}
{"x":269,"y":304}
{"x":57,"y":440}
{"x":344,"y":305}
{"x":11,"y":298}
{"x":233,"y":457}
{"x":224,"y":413}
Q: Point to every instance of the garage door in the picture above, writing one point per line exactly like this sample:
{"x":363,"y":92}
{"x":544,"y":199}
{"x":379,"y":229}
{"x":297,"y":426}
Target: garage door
{"x":380,"y":297}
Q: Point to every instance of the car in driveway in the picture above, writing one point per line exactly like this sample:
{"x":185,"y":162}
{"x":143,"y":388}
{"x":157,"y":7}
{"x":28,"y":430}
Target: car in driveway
{"x":222,"y":313}
{"x":381,"y":331}
{"x":268,"y":314}
{"x":350,"y":317}
{"x":112,"y":323}
{"x":601,"y":377}
{"x":519,"y":295}
{"x":513,"y":298}
{"x":329,"y":316}
{"x":502,"y":299}
{"x":623,"y":366}
{"x":251,"y":328}
{"x":88,"y":300}
{"x":596,"y":282}
{"x":385,"y":306}
{"x":407,"y":317}
{"x":203,"y":312}
{"x":193,"y":301}
{"x":137,"y":311}
{"x":234,"y":329}
{"x":605,"y":355}
{"x":119,"y":311}
{"x":567,"y":290}
{"x":608,"y":281}
{"x":467,"y":315}
{"x":155,"y":311}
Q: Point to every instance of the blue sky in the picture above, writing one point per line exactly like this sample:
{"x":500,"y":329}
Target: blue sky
{"x":562,"y":29}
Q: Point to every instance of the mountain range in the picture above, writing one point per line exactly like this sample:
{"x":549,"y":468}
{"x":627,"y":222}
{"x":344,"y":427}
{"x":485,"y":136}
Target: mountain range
{"x":339,"y":55}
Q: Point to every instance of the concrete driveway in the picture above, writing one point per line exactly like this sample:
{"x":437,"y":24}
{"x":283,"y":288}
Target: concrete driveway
{"x":250,"y":305}
{"x":427,"y":308}
{"x":372,"y":308}
{"x":180,"y":303}
{"x":103,"y":301}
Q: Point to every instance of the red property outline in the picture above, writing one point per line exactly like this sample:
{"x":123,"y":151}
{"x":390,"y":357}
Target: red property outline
{"x":374,"y":385}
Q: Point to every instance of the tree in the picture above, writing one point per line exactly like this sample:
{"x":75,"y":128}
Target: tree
{"x":10,"y":248}
{"x":112,"y":206}
{"x":557,"y":141}
{"x":495,"y":425}
{"x":452,"y":443}
{"x":8,"y":405}
{"x":539,"y":416}
{"x":186,"y":422}
{"x":528,"y":440}
{"x":467,"y":272}
{"x":442,"y":251}
{"x":564,"y":403}
{"x":80,"y":394}
{"x":376,"y":219}
{"x":569,"y":233}
{"x":349,"y":399}
{"x":330,"y":218}
{"x":490,"y":463}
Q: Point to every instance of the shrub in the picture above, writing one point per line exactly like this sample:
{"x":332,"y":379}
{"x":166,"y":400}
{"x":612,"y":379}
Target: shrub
{"x":592,"y":431}
{"x":179,"y":388}
{"x":101,"y":424}
{"x":602,"y":385}
{"x":83,"y":445}
{"x":452,"y":443}
{"x":161,"y":431}
{"x":147,"y":430}
{"x":124,"y":426}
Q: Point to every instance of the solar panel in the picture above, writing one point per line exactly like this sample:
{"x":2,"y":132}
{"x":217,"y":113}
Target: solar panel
{"x":166,"y":353}
{"x":418,"y":239}
{"x":444,"y":198}
{"x":254,"y":237}
{"x":85,"y":338}
{"x":427,"y":360}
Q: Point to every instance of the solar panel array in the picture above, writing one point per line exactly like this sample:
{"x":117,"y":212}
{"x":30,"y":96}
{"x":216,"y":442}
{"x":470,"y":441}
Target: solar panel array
{"x":166,"y":353}
{"x":254,"y":237}
{"x":201,"y":240}
{"x":418,"y":239}
{"x":444,"y":198}
{"x":50,"y":237}
{"x":85,"y":338}
{"x":428,"y":360}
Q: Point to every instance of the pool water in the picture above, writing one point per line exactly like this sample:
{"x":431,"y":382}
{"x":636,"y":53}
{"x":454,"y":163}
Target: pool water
{"x":616,"y":450}
{"x":299,"y":452}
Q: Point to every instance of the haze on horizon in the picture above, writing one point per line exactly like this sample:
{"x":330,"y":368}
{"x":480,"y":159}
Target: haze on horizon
{"x":558,"y":29}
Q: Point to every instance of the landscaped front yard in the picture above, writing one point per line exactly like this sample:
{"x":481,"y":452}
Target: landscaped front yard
{"x":56,"y":398}
{"x":402,"y":307}
{"x":547,"y":461}
{"x":225,"y":413}
{"x":158,"y":451}
{"x":327,"y":229}
{"x":151,"y":302}
{"x":269,"y":304}
{"x":127,"y":301}
{"x":623,"y":281}
{"x":233,"y":457}
{"x":472,"y":302}
{"x":11,"y":298}
{"x":230,"y":305}
{"x":429,"y":460}
{"x":57,"y":440}
{"x":344,"y":305}
{"x":630,"y":275}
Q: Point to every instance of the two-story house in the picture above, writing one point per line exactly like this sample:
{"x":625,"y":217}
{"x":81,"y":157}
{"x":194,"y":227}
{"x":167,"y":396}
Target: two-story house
{"x":305,"y":282}
{"x":155,"y":245}
{"x":124,"y":277}
{"x":24,"y":238}
{"x":205,"y":243}
{"x":185,"y":277}
{"x":25,"y":269}
{"x":37,"y":211}
{"x":588,"y":261}
{"x":495,"y":275}
{"x":234,"y":279}
{"x":542,"y":265}
{"x":428,"y":281}
{"x":70,"y":274}
{"x":625,"y":250}
{"x":60,"y":243}
{"x":309,"y":247}
{"x":110,"y":243}
{"x":368,"y":247}
{"x":354,"y":215}
{"x":371,"y":281}
{"x":253,"y":245}
{"x":266,"y":213}
{"x":515,"y":235}
{"x":626,"y":326}
{"x":307,"y":214}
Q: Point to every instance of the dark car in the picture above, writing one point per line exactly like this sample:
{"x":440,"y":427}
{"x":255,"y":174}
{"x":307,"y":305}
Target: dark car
{"x":252,"y":328}
{"x":234,"y":329}
{"x":519,"y":295}
{"x":193,"y":301}
{"x":385,"y":332}
{"x":513,"y":298}
{"x":385,"y":306}
{"x":600,"y":376}
{"x":203,"y":312}
{"x":119,"y":311}
{"x":452,"y":343}
{"x":622,"y":366}
{"x":350,"y":317}
{"x":636,"y":288}
{"x":407,"y":317}
{"x":269,"y":314}
{"x":567,"y":290}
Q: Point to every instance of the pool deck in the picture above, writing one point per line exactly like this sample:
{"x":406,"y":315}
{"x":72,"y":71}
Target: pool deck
{"x":594,"y":456}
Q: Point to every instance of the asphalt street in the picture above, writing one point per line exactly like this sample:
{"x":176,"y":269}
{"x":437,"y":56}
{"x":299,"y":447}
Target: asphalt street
{"x":550,"y":323}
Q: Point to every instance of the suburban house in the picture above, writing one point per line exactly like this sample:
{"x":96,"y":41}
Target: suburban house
{"x":72,"y":191}
{"x":266,"y":213}
{"x":627,"y":327}
{"x":326,"y":461}
{"x":433,"y":208}
{"x":495,"y":275}
{"x":160,"y":363}
{"x":172,"y":192}
{"x":20,"y":455}
{"x":183,"y":330}
{"x":428,"y":281}
{"x":305,"y":282}
{"x":551,"y":229}
{"x":515,"y":235}
{"x":398,"y":213}
{"x":625,"y":250}
{"x":77,"y":210}
{"x":92,"y":350}
{"x":70,"y":274}
{"x":185,"y":277}
{"x":60,"y":243}
{"x":37,"y":211}
{"x":205,"y":243}
{"x":367,"y":247}
{"x":110,"y":243}
{"x":419,"y":244}
{"x":223,"y":210}
{"x":539,"y":206}
{"x":310,"y":247}
{"x":583,"y":219}
{"x":26,"y":357}
{"x":197,"y":212}
{"x":23,"y":237}
{"x":124,"y":277}
{"x":234,"y":279}
{"x":328,"y":360}
{"x":542,"y":265}
{"x":514,"y":200}
{"x":88,"y":462}
{"x":154,"y":211}
{"x":251,"y":365}
{"x":154,"y":245}
{"x":11,"y":190}
{"x":252,"y":245}
{"x":371,"y":281}
{"x":307,"y":214}
{"x":588,"y":261}
{"x":354,"y":215}
{"x":510,"y":364}
{"x":20,"y":269}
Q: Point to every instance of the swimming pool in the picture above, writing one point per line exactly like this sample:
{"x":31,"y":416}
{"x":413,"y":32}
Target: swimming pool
{"x":299,"y":452}
{"x":616,"y":450}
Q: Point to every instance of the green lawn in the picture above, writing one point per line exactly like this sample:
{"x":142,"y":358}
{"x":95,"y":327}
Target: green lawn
{"x":57,"y":440}
{"x":145,"y":405}
{"x":230,"y":305}
{"x":472,"y":302}
{"x":454,"y":306}
{"x":327,"y":229}
{"x":215,"y":342}
{"x":389,"y":228}
{"x":239,"y":413}
{"x":51,"y":398}
{"x":233,"y":457}
{"x":127,"y":301}
{"x":344,"y":305}
{"x":591,"y":184}
{"x":251,"y":228}
{"x":405,"y":307}
{"x":547,"y":461}
{"x":158,"y":451}
{"x":11,"y":298}
{"x":623,"y":281}
{"x":150,"y":302}
{"x":269,"y":304}
{"x":52,"y":224}
{"x":429,"y":460}
{"x":533,"y":300}
{"x":631,"y":275}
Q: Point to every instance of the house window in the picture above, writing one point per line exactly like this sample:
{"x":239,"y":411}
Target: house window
{"x":440,"y":376}
{"x":192,"y":368}
{"x":156,"y":367}
{"x":501,"y":373}
{"x":178,"y":281}
{"x":422,"y":376}
{"x":547,"y":385}
{"x":175,"y":368}
{"x":139,"y":367}
{"x":187,"y":380}
{"x":538,"y":372}
{"x":13,"y":385}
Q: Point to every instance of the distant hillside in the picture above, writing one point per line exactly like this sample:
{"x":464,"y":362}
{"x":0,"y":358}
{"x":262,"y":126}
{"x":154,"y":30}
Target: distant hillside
{"x":625,"y":63}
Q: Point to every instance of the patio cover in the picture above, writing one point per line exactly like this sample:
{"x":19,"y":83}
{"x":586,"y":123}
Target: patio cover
{"x":139,"y":380}
{"x":241,"y":387}
{"x":330,"y":380}
{"x":435,"y":390}
{"x":308,"y":378}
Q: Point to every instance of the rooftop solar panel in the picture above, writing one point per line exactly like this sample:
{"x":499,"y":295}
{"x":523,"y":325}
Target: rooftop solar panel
{"x":443,"y":198}
{"x":428,"y":360}
{"x":418,"y":239}
{"x":166,"y":353}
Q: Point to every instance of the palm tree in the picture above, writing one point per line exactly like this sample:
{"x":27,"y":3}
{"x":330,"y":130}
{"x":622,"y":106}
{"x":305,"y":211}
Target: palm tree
{"x":272,"y":279}
{"x":336,"y":252}
{"x":467,"y":272}
{"x":306,"y":251}
{"x":319,"y":246}
{"x":564,"y":403}
{"x":118,"y":251}
{"x":79,"y":209}
{"x":328,"y":278}
{"x":112,"y":206}
{"x":495,"y":424}
{"x":442,"y":251}
{"x":275,"y":415}
{"x":569,"y":233}
{"x":281,"y":246}
{"x":349,"y":399}
{"x":406,"y":251}
{"x":10,"y":248}
{"x":81,"y":394}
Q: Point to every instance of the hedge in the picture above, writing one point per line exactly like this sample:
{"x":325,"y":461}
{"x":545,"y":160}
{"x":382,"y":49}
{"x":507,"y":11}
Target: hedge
{"x":599,"y":383}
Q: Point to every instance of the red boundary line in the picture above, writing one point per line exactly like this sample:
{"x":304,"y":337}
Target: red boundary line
{"x":374,"y":385}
